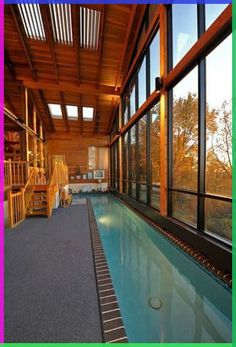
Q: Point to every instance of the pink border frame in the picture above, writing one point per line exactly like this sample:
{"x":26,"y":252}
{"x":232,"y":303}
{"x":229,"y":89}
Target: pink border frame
{"x":1,"y":173}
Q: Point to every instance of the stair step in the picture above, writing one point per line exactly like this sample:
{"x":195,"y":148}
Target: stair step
{"x":37,"y":213}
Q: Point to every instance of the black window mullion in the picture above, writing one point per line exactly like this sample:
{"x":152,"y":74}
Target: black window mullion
{"x":170,"y":151}
{"x":201,"y":126}
{"x":148,"y":147}
{"x":136,"y":138}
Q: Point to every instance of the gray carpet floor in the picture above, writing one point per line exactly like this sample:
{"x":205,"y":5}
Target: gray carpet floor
{"x":50,"y":288}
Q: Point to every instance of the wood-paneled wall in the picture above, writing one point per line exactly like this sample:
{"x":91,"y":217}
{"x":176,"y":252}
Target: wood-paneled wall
{"x":75,"y":148}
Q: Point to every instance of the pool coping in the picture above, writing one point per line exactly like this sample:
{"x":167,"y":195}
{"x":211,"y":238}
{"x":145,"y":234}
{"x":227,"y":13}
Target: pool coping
{"x":196,"y":256}
{"x":113,"y":329}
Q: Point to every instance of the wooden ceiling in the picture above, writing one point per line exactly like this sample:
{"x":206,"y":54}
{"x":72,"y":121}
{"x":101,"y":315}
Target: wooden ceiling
{"x":70,"y":74}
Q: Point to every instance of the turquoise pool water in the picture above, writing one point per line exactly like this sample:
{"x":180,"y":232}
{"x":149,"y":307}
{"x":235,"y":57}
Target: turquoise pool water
{"x":143,"y":264}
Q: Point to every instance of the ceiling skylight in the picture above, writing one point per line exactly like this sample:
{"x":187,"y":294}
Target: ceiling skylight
{"x":88,"y":113}
{"x":61,"y":23}
{"x":89,"y":28}
{"x":72,"y":112}
{"x":55,"y":110}
{"x":32,"y":21}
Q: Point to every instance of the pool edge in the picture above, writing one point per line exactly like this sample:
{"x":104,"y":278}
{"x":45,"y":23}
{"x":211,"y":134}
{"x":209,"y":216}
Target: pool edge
{"x":112,"y":325}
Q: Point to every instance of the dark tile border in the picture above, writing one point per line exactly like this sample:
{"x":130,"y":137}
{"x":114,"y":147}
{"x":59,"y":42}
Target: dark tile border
{"x":112,"y":324}
{"x":186,"y":248}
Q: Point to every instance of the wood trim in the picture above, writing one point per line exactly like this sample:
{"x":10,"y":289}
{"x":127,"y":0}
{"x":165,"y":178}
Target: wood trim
{"x":208,"y":41}
{"x":127,"y":37}
{"x":115,"y":138}
{"x":43,"y":101}
{"x":27,"y":124}
{"x":31,"y":95}
{"x":133,"y":43}
{"x":148,"y":37}
{"x":9,"y":64}
{"x":64,"y":114}
{"x":113,"y":114}
{"x":49,"y":36}
{"x":23,"y":41}
{"x":63,"y":86}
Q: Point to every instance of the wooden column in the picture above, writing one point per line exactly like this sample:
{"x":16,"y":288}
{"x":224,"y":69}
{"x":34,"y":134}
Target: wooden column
{"x":27,"y":123}
{"x":41,"y":155}
{"x":163,"y":112}
{"x":35,"y":138}
{"x":120,"y":146}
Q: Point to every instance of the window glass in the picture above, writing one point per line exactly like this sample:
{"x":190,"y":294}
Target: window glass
{"x":219,"y":119}
{"x":132,"y":102}
{"x":142,"y":149}
{"x":184,"y":208}
{"x":155,"y":197}
{"x":154,"y":61}
{"x":184,"y":29}
{"x":143,"y":192}
{"x":133,"y":153}
{"x":218,"y":218}
{"x":185,"y":132}
{"x":142,"y":83}
{"x":155,"y":144}
{"x":125,"y":156}
{"x":212,"y":12}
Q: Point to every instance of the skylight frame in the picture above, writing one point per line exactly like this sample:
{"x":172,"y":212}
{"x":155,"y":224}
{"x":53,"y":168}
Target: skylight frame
{"x":61,"y":19}
{"x":56,"y":114}
{"x":89,"y":117}
{"x":90,"y":21}
{"x":71,"y":107}
{"x":32,"y":21}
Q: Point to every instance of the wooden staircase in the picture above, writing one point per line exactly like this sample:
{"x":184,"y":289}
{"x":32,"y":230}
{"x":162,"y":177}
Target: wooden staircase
{"x":34,"y":195}
{"x":38,"y":204}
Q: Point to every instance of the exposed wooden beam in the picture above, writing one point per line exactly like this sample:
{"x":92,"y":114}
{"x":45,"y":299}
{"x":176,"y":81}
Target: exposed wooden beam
{"x":101,"y":42}
{"x":9,"y":104}
{"x":23,"y":41}
{"x":71,"y":87}
{"x":45,"y":105}
{"x":151,"y":29}
{"x":49,"y":36}
{"x":113,"y":114}
{"x":9,"y":64}
{"x":75,"y":28}
{"x":134,"y":39}
{"x":126,"y":42}
{"x":64,"y":114}
{"x":207,"y":42}
{"x":31,"y":95}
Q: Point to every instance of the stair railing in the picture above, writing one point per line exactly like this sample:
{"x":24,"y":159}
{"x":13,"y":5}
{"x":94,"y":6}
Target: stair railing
{"x":16,"y":208}
{"x":18,"y":202}
{"x":58,"y":180}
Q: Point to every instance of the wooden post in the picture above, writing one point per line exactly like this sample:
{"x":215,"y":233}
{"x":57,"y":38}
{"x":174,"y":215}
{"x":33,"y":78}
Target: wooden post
{"x":27,"y":123}
{"x":163,"y":112}
{"x":10,"y":214}
{"x":41,"y":158}
{"x":34,"y":138}
{"x":23,"y":203}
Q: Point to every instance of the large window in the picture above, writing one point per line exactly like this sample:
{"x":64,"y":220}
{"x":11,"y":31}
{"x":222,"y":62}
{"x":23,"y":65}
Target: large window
{"x":155,"y":155}
{"x":142,"y":83}
{"x":184,"y":29}
{"x":133,"y":170}
{"x":219,"y":139}
{"x":201,"y":165}
{"x":154,"y":60}
{"x":185,"y":133}
{"x":125,"y":163}
{"x":142,"y":163}
{"x":212,"y":12}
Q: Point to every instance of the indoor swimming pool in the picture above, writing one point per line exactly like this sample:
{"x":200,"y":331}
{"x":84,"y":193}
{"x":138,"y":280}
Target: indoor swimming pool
{"x":164,"y":296}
